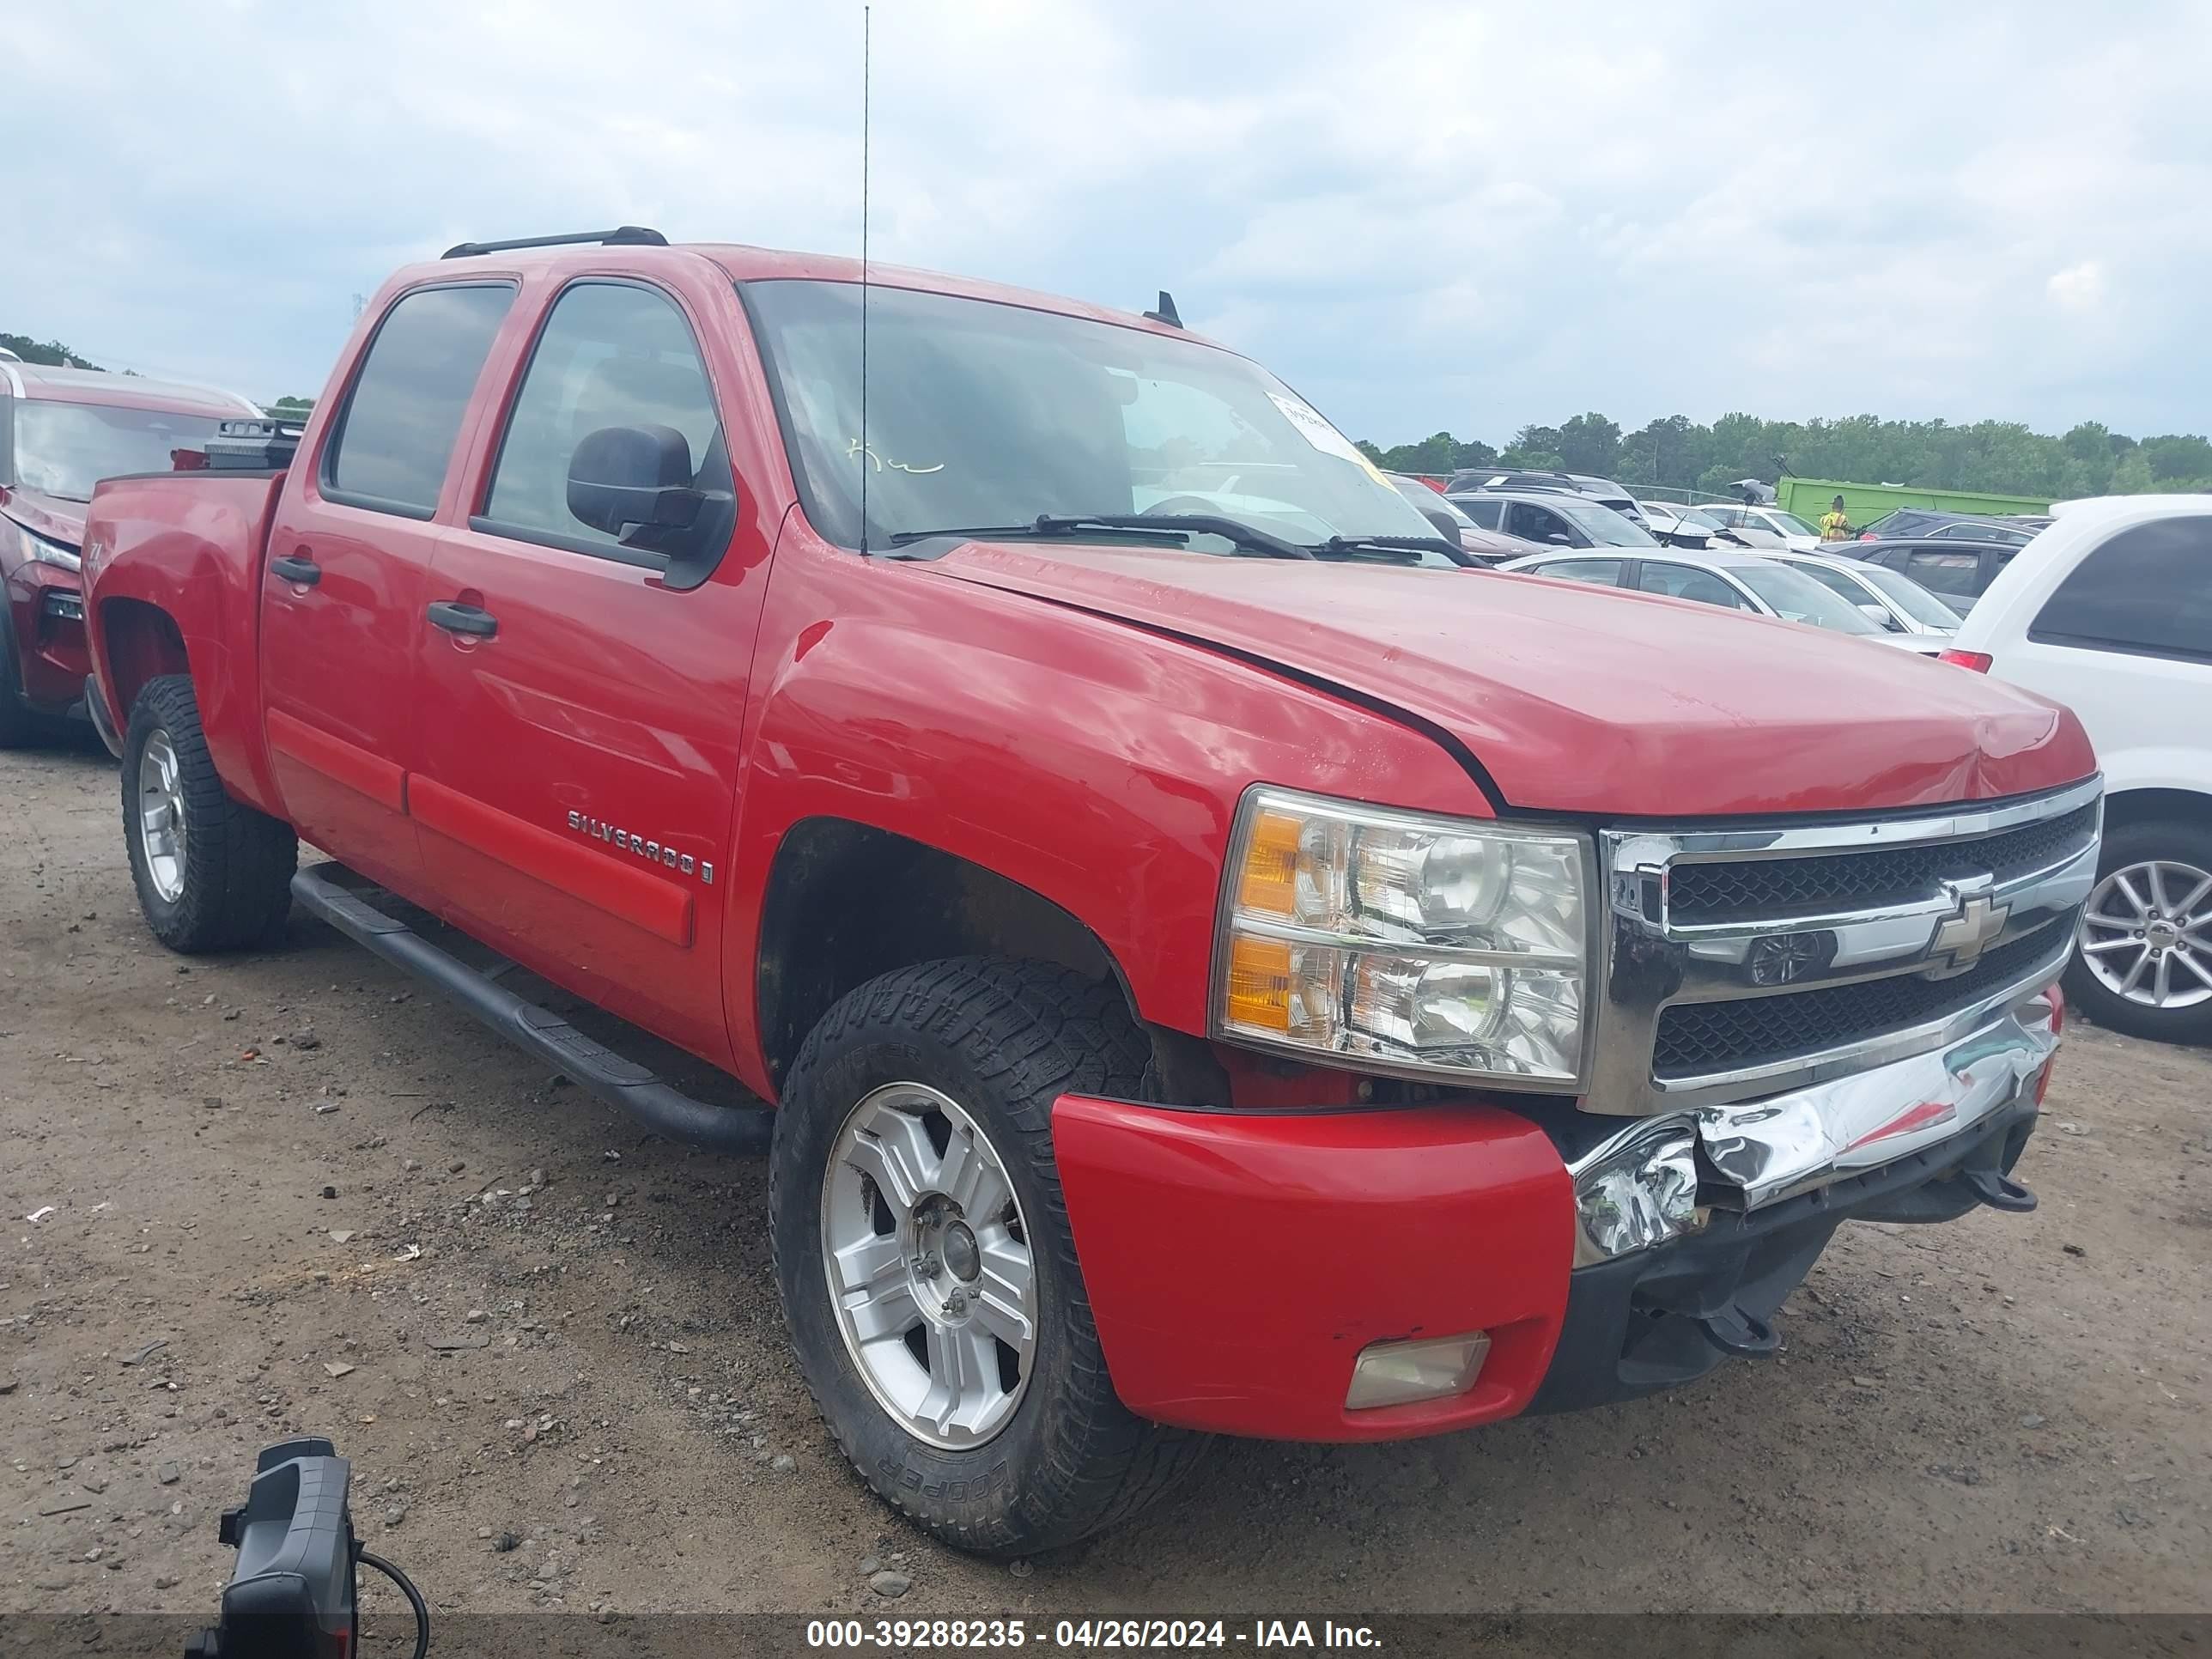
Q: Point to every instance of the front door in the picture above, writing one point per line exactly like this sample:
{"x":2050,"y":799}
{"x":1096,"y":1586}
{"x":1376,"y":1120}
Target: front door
{"x":578,"y":756}
{"x":341,"y":594}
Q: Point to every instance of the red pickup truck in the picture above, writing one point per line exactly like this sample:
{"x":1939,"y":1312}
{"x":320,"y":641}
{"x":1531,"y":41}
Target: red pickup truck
{"x":1218,"y":966}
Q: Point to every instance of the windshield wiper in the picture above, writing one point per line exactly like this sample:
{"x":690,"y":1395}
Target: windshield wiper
{"x":1356,"y":544}
{"x":1170,"y":526}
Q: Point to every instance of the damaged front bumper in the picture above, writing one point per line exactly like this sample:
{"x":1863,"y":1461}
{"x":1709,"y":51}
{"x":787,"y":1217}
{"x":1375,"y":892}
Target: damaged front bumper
{"x":1926,"y":1139}
{"x":1375,"y":1274}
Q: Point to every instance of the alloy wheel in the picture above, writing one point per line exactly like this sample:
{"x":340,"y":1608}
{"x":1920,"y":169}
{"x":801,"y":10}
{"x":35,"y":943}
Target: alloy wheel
{"x":161,"y":816}
{"x":928,"y":1263}
{"x":2146,"y":933}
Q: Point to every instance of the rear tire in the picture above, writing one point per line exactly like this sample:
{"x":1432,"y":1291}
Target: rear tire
{"x":2149,"y":893}
{"x":212,"y":873}
{"x":1050,"y":1454}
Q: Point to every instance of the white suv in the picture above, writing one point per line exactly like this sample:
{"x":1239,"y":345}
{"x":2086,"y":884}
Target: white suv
{"x":2110,"y":612}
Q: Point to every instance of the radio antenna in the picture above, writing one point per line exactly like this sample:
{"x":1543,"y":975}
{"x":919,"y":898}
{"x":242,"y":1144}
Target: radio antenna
{"x":867,"y":455}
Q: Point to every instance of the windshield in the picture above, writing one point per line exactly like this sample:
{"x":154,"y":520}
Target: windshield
{"x":1790,"y":524}
{"x":1795,"y":597}
{"x":1704,"y":522}
{"x":982,"y":413}
{"x":1602,"y":525}
{"x":64,"y":449}
{"x":1910,"y":597}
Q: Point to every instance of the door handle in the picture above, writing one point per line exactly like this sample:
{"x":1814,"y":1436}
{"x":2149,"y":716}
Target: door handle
{"x":457,"y":618}
{"x":304,"y":571}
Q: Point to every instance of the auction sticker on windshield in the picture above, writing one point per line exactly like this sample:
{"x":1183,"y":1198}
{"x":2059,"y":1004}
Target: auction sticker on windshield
{"x":1307,"y":424}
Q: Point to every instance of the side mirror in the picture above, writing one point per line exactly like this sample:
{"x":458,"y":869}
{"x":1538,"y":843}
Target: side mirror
{"x":1875,"y":613}
{"x":1443,"y":524}
{"x":622,"y":475}
{"x":1558,"y":538}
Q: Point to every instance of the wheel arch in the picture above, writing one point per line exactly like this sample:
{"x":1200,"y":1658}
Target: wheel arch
{"x":2150,"y":805}
{"x":847,"y":901}
{"x":139,"y":641}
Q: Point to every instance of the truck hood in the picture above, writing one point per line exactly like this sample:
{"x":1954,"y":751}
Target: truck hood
{"x":50,"y":516}
{"x":1579,"y":699}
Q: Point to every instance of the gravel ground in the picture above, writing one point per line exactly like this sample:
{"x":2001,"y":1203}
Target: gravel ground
{"x":290,"y":1192}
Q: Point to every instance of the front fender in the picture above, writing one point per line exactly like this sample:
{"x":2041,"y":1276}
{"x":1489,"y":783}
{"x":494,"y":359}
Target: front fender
{"x":1096,"y":763}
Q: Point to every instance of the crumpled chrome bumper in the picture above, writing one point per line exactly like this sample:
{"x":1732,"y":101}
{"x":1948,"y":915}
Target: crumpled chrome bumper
{"x":1661,"y":1178}
{"x":1771,"y":1150}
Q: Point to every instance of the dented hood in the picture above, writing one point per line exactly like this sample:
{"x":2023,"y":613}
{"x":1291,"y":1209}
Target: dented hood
{"x":1581,"y":699}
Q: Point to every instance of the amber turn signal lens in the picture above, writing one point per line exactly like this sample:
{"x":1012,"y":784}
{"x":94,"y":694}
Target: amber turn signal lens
{"x":1270,"y":882}
{"x":1259,"y":984}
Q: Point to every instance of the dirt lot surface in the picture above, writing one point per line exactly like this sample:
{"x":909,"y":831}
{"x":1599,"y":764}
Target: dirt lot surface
{"x":290,"y":1192}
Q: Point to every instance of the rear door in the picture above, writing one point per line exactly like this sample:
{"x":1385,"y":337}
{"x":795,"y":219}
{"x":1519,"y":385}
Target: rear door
{"x":349,"y":551}
{"x":1956,"y":576}
{"x":574,"y":793}
{"x":1684,"y":581}
{"x":2125,"y":640}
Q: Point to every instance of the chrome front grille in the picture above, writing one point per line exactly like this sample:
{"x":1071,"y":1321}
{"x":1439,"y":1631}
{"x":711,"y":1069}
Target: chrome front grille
{"x":1741,"y":962}
{"x":1732,"y":890}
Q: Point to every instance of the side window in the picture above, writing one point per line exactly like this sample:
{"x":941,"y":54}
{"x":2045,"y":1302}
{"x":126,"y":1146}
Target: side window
{"x":1489,"y":514}
{"x":1535,"y":524}
{"x":395,"y":437}
{"x":1946,"y":572}
{"x":610,"y":355}
{"x":2148,"y":591}
{"x":1604,"y":572}
{"x":1836,"y":582}
{"x":1682,"y":581}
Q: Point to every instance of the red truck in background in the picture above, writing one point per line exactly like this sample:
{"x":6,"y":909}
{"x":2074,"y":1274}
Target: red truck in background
{"x":61,"y":431}
{"x":1216,"y":964}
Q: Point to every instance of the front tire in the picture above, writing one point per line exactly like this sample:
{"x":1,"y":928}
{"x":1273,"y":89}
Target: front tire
{"x":956,"y":1362}
{"x":212,"y":873}
{"x":2142,"y":962}
{"x":19,"y":727}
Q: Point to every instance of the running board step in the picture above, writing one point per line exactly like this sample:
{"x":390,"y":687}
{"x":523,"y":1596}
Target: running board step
{"x":539,"y":1031}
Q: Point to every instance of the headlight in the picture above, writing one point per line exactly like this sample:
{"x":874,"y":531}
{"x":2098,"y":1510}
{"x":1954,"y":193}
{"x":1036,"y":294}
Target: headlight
{"x":37,"y":547}
{"x":1412,"y":943}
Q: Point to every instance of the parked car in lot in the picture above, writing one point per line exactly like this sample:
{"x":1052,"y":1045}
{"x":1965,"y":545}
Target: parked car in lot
{"x":1693,"y":527}
{"x":1550,"y":518}
{"x":2110,"y":613}
{"x":1490,"y":546}
{"x":1894,"y":603}
{"x":1787,"y":528}
{"x":1603,"y":490}
{"x":1211,"y":975}
{"x":1734,"y":581}
{"x":1956,"y":572}
{"x":1929,"y":524}
{"x":61,"y":431}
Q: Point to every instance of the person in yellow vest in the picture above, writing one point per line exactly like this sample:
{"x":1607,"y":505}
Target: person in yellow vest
{"x":1834,"y":526}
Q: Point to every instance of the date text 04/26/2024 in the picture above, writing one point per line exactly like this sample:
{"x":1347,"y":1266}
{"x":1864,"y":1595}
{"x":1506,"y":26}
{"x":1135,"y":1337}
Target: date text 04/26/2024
{"x":1073,"y":1635}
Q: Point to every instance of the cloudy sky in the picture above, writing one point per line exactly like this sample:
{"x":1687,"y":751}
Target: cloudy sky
{"x":1424,"y":217}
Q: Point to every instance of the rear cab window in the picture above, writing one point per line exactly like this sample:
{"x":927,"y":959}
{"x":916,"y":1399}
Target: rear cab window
{"x":394,"y":439}
{"x":2146,"y":592}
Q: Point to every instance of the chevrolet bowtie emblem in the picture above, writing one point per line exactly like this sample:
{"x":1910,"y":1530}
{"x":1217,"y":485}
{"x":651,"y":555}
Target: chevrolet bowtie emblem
{"x":1964,"y":934}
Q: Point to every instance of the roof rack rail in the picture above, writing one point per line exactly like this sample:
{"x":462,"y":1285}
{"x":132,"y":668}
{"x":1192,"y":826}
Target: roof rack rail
{"x":620,"y":236}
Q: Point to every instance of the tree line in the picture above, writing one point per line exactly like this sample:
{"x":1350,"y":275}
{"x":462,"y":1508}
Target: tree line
{"x":1678,"y":452}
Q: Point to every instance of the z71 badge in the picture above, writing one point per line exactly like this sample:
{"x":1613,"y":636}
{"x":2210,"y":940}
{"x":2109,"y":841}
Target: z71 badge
{"x":683,"y":863}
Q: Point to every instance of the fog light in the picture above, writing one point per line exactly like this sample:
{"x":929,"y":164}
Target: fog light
{"x":69,"y":607}
{"x":1399,"y":1373}
{"x":1640,"y":1188}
